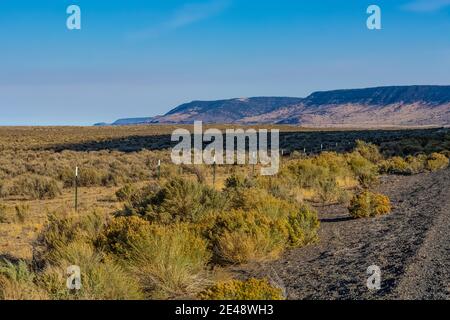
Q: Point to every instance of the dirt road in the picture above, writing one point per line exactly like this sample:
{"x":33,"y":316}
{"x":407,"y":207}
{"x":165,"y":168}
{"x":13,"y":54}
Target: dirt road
{"x":411,"y":246}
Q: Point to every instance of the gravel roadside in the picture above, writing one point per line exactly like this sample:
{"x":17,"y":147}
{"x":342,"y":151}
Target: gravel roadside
{"x":410,"y":246}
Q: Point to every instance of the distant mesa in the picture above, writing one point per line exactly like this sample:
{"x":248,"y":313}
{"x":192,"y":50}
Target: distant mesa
{"x":371,"y":107}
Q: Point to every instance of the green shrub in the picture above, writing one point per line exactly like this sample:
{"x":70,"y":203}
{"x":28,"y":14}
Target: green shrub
{"x":416,"y":163}
{"x":335,"y":163}
{"x":120,"y":234}
{"x":307,"y":174}
{"x":60,"y":231}
{"x":66,"y":175}
{"x":178,"y":200}
{"x":368,"y":151}
{"x":323,"y":172}
{"x":89,"y":177}
{"x":280,"y":188}
{"x":395,"y":165}
{"x":260,"y":226}
{"x":328,"y":190}
{"x":261,"y":201}
{"x":125,"y":193}
{"x":364,"y":170}
{"x":181,"y":200}
{"x":369,"y":204}
{"x":302,"y":226}
{"x":437,"y":161}
{"x":252,"y":289}
{"x":240,"y":236}
{"x":298,"y":218}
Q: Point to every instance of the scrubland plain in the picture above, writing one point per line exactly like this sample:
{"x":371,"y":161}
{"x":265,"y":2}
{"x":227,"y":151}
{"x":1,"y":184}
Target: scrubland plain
{"x":146,"y":233}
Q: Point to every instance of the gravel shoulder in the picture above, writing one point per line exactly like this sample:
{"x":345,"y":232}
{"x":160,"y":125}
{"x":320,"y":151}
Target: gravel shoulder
{"x":411,"y":246}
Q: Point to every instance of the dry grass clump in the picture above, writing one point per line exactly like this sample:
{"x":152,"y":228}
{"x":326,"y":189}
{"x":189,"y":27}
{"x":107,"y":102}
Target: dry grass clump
{"x":167,"y":260}
{"x":369,"y":204}
{"x":252,"y":289}
{"x":70,"y":240}
{"x":170,"y":261}
{"x":31,"y":186}
{"x":17,"y":282}
{"x":101,"y":277}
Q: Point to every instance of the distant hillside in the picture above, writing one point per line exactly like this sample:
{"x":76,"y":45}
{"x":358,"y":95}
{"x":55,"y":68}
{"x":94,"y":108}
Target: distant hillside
{"x":124,"y":122}
{"x":381,"y":106}
{"x":382,"y":96}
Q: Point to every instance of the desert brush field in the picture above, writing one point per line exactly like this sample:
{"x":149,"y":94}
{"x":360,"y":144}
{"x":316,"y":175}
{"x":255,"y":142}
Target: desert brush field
{"x":342,"y":201}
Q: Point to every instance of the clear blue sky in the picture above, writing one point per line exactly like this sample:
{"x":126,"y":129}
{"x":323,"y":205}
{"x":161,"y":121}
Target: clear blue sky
{"x":143,"y":57}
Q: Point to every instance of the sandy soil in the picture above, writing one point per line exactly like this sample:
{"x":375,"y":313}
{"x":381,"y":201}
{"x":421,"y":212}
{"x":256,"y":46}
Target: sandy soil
{"x":411,"y":246}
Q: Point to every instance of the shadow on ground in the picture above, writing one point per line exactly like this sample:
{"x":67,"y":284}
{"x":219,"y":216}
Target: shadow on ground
{"x":309,"y":142}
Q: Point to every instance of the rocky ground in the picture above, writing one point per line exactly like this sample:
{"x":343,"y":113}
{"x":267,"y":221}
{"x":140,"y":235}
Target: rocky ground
{"x":411,"y":246}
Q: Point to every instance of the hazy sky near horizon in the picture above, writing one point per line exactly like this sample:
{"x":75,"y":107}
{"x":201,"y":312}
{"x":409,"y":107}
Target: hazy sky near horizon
{"x":143,"y":57}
